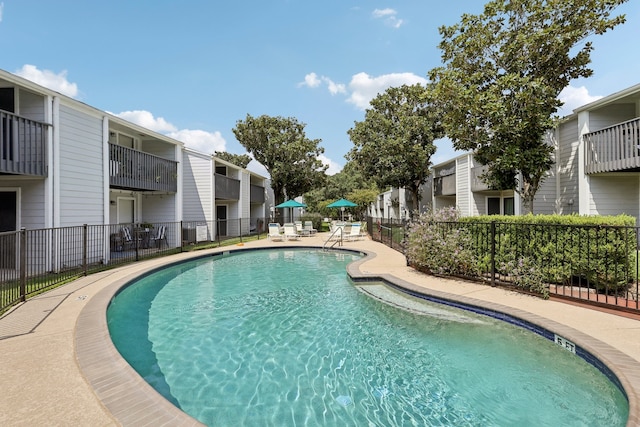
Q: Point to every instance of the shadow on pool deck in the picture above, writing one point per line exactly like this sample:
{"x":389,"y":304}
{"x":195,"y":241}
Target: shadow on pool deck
{"x":59,"y":367}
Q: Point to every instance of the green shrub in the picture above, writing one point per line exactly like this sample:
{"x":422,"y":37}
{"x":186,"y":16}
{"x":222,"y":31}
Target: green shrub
{"x":435,"y":244}
{"x":599,"y":250}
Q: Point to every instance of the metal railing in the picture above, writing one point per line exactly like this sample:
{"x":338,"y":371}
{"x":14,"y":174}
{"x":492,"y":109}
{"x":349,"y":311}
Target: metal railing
{"x":23,"y":145}
{"x":615,"y":148}
{"x":597,"y":265}
{"x":137,"y":170}
{"x":34,"y":261}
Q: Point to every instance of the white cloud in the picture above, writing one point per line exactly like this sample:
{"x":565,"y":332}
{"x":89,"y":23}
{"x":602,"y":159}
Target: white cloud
{"x":574,"y":97}
{"x":389,"y":17}
{"x":364,"y":88}
{"x":312,"y":80}
{"x":48,"y":79}
{"x":146,"y":119}
{"x":333,"y":168}
{"x":200,"y":140}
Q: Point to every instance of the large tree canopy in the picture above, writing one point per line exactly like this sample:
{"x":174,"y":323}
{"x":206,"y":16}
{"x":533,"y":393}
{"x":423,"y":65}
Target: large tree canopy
{"x":394,"y":143}
{"x":502,"y":75}
{"x":282,"y":147}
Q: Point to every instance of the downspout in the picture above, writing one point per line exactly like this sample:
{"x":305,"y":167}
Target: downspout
{"x":55,"y":185}
{"x":51,"y":167}
{"x":55,"y":120}
{"x":106,"y":181}
{"x":178,"y":201}
{"x":105,"y":170}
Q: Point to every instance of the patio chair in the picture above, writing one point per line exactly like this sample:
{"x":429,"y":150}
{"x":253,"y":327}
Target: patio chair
{"x":355,"y":233}
{"x":274,"y":232}
{"x":299,"y":227}
{"x":290,"y":232}
{"x":336,"y":234}
{"x":127,"y":239}
{"x":308,"y":226}
{"x":160,"y":237}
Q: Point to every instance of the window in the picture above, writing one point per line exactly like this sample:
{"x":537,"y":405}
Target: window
{"x":500,"y":206}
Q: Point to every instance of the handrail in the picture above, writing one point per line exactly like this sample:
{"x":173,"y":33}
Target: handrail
{"x":324,"y":246}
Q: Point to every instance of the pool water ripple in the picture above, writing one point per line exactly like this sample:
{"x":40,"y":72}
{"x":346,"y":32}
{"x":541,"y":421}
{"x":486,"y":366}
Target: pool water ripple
{"x":283,"y":338}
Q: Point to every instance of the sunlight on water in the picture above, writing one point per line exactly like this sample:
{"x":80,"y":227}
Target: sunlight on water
{"x":283,"y":338}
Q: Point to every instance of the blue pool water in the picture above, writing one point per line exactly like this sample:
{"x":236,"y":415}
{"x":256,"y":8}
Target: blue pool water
{"x":283,"y":338}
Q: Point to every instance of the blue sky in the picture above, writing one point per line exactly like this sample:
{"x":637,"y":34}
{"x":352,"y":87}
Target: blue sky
{"x":192,"y":68}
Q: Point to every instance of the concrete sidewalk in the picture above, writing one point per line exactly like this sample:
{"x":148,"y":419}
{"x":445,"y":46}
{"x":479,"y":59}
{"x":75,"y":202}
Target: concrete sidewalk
{"x":58,"y":367}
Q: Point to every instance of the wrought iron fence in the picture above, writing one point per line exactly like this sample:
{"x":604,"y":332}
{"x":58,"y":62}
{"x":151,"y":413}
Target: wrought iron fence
{"x":34,"y":261}
{"x":598,"y":265}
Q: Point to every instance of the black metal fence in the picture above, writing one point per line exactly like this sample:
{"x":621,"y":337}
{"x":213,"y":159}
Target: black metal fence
{"x":598,"y":265}
{"x":33,"y":261}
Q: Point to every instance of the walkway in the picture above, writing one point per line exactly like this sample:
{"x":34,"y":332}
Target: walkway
{"x":56,"y":366}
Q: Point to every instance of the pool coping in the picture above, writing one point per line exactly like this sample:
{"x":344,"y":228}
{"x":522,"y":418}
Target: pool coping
{"x":132,"y":401}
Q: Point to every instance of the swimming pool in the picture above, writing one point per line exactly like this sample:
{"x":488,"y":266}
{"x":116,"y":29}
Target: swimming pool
{"x":276,"y":337}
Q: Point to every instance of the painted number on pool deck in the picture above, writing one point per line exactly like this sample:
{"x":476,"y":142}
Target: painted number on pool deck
{"x":565,"y":343}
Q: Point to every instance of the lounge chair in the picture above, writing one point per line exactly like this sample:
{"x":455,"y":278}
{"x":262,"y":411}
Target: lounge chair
{"x":299,"y":227}
{"x":308,"y":226}
{"x":355,"y":233}
{"x":337,"y":231}
{"x":274,"y":232}
{"x":290,"y":232}
{"x":160,"y":236}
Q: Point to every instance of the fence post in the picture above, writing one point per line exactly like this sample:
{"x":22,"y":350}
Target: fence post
{"x":181,"y":234}
{"x":23,"y":264}
{"x":240,"y":223}
{"x":493,"y":253}
{"x":85,"y":247}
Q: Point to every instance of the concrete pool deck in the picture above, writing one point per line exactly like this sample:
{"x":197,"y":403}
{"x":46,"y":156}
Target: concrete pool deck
{"x":58,"y":366}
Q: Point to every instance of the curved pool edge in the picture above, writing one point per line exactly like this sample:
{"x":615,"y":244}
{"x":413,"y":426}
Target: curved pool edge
{"x":620,"y":365}
{"x":132,"y":401}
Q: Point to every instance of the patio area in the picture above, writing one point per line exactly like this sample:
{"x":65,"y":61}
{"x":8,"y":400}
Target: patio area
{"x":55,"y":371}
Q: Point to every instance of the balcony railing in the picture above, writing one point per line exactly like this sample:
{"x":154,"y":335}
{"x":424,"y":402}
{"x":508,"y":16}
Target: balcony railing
{"x":256,"y":194}
{"x":477,"y":183}
{"x":135,"y":170}
{"x":445,"y":185}
{"x":613,"y":149}
{"x":227,"y":188}
{"x":23,"y":145}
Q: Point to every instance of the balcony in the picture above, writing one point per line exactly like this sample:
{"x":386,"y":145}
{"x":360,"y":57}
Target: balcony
{"x":613,"y":149}
{"x":445,"y":185}
{"x":227,"y":188}
{"x":477,"y":183}
{"x":23,"y":146}
{"x":131,"y":169}
{"x":256,"y":194}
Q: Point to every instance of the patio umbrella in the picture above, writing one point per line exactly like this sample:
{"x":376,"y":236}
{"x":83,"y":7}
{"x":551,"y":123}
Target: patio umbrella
{"x":291,"y":204}
{"x":342,"y":203}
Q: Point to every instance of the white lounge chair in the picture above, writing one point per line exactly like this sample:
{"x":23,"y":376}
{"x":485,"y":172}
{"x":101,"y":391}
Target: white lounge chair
{"x":308,"y":227}
{"x":274,"y":232}
{"x":290,"y":232}
{"x":355,"y":233}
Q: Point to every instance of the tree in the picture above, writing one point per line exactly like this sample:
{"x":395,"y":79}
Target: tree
{"x":241,"y":160}
{"x":502,"y":75}
{"x":394,"y":143}
{"x":282,"y":147}
{"x":337,"y":186}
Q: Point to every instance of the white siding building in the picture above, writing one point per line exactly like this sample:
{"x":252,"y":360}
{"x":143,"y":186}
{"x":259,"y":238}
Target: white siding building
{"x":64,"y":163}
